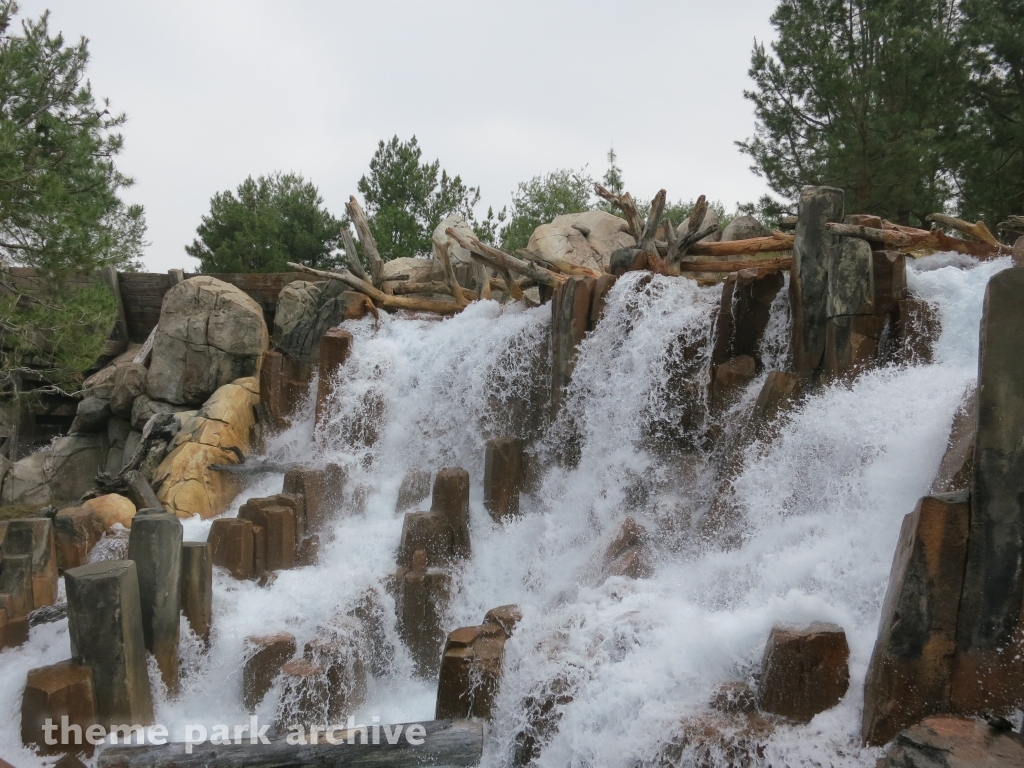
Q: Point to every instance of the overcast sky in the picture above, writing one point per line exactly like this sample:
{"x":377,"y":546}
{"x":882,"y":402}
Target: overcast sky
{"x":498,"y":91}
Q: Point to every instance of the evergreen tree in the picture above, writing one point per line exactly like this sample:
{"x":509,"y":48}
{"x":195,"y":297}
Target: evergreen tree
{"x":269,"y":221}
{"x":867,"y":95}
{"x":541,"y":199}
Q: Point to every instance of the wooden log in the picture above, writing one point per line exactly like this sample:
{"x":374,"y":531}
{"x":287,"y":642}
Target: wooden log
{"x":147,"y":348}
{"x":501,"y":260}
{"x":461,"y":297}
{"x":908,"y":239}
{"x":445,"y":742}
{"x":557,"y":265}
{"x":687,"y":242}
{"x":386,"y":301}
{"x":776,"y":242}
{"x":352,"y":256}
{"x":978,"y":230}
{"x":653,"y":220}
{"x":735,"y":265}
{"x":120,"y":332}
{"x":624,"y":202}
{"x":355,"y":213}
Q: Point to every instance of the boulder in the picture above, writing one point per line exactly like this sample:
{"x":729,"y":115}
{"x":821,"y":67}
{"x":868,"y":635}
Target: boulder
{"x":217,"y":434}
{"x":459,"y":256}
{"x":76,"y":531}
{"x":61,"y":472}
{"x":265,"y":655}
{"x":91,"y":416}
{"x":129,"y":383}
{"x":306,"y":310}
{"x":804,"y":671}
{"x":744,"y":228}
{"x":470,"y":672}
{"x":144,"y":408}
{"x":954,"y":742}
{"x":627,"y":554}
{"x":111,"y":508}
{"x":210,"y":334}
{"x":118,"y":431}
{"x":710,"y":217}
{"x":101,"y":383}
{"x":52,"y":693}
{"x":564,"y":239}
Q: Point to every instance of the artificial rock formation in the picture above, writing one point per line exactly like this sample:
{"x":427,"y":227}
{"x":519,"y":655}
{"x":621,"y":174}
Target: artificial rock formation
{"x":585,"y":239}
{"x":305,"y":312}
{"x":957,"y":467}
{"x":503,"y":476}
{"x":743,"y":314}
{"x":76,"y":532}
{"x":335,"y":348}
{"x":233,"y":545}
{"x":210,"y":334}
{"x":217,"y":434}
{"x":804,"y":671}
{"x":910,"y":673}
{"x":265,"y":655}
{"x":111,"y":509}
{"x":321,"y":490}
{"x":627,"y":553}
{"x":954,"y":742}
{"x":59,"y":473}
{"x":55,"y":692}
{"x":197,"y":587}
{"x":421,"y":596}
{"x":415,"y":488}
{"x":30,"y":538}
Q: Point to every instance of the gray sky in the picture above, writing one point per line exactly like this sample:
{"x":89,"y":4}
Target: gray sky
{"x":499,"y":92}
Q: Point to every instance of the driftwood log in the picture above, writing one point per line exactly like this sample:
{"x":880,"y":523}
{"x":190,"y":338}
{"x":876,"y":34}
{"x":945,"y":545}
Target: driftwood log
{"x":735,"y":265}
{"x":502,"y":261}
{"x":352,"y":256}
{"x":978,"y":230}
{"x":557,"y":265}
{"x":381,"y":298}
{"x":355,"y":212}
{"x":910,"y":239}
{"x":447,"y":742}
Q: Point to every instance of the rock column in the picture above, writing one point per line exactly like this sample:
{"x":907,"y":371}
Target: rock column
{"x":503,"y":470}
{"x":197,"y":587}
{"x":570,"y":318}
{"x":335,"y":348}
{"x":155,"y":546}
{"x":105,"y":628}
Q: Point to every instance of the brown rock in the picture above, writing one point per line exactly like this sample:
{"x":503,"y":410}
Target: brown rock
{"x":16,"y":585}
{"x":111,"y":508}
{"x":13,"y":629}
{"x":129,"y":383}
{"x":259,"y":551}
{"x":863,"y":220}
{"x":340,"y":656}
{"x":743,"y":315}
{"x":306,"y":700}
{"x":729,"y":378}
{"x":734,"y":697}
{"x":278,"y":520}
{"x":804,"y":671}
{"x":335,"y":348}
{"x":231,"y":544}
{"x":76,"y":531}
{"x":414,"y":489}
{"x":504,"y":616}
{"x":281,"y":387}
{"x":780,"y":392}
{"x":910,"y":672}
{"x":427,"y":532}
{"x":197,"y":587}
{"x":451,"y":499}
{"x":470,"y":673}
{"x":308,"y":551}
{"x":627,"y":555}
{"x":957,"y":467}
{"x":265,"y":655}
{"x":954,"y":742}
{"x":735,"y":739}
{"x":570,"y":318}
{"x":503,"y":476}
{"x":321,"y":489}
{"x":917,"y":329}
{"x":421,"y":598}
{"x":60,"y":690}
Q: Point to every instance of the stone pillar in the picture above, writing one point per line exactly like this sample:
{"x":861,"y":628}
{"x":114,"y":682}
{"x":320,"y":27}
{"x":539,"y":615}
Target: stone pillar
{"x":61,"y":690}
{"x":105,"y":628}
{"x":13,"y":629}
{"x":989,"y":669}
{"x":265,"y":655}
{"x":426,"y":532}
{"x":76,"y":531}
{"x":231,"y":546}
{"x":804,"y":671}
{"x":503,"y":476}
{"x":34,"y":537}
{"x":321,"y":489}
{"x":911,"y":668}
{"x":16,"y":584}
{"x":414,"y":489}
{"x":744,"y":312}
{"x":197,"y":587}
{"x":280,"y":386}
{"x":470,"y":672}
{"x":276,"y":515}
{"x":570,"y":317}
{"x":335,"y":348}
{"x":155,"y":546}
{"x":808,"y":287}
{"x":451,"y":499}
{"x":421,"y":599}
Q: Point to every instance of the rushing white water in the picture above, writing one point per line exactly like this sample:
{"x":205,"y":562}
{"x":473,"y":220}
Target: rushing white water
{"x":819,"y":511}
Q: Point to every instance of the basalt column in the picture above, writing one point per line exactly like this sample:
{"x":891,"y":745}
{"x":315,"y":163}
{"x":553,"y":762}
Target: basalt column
{"x":813,"y":250}
{"x":570,"y":319}
{"x":155,"y":546}
{"x":197,"y":587}
{"x":989,"y":668}
{"x":105,"y":628}
{"x":335,"y":347}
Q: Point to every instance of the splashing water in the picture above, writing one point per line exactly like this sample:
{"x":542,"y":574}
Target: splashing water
{"x":599,"y":672}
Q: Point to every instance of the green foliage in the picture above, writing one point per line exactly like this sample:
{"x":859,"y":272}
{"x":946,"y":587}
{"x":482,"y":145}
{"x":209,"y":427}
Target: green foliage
{"x":612,"y":179}
{"x":58,"y":337}
{"x":406,"y":199}
{"x":989,"y":169}
{"x":541,"y":199}
{"x":59,"y":207}
{"x":865,"y":95}
{"x":269,"y":221}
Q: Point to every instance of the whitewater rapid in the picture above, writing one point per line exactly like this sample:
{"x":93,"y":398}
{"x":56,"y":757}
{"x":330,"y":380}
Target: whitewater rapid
{"x":820,"y":509}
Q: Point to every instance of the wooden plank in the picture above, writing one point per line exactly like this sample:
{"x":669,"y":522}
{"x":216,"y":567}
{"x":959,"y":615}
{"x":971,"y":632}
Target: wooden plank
{"x":446,"y":742}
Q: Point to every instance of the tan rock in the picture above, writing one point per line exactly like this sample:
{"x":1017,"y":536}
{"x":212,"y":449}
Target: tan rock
{"x":804,"y":671}
{"x":112,"y":508}
{"x":564,"y":238}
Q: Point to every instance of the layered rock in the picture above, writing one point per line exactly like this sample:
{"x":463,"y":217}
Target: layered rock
{"x":210,"y":333}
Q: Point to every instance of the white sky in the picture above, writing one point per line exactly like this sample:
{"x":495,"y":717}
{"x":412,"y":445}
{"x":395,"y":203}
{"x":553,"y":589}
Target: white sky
{"x":499,"y":92}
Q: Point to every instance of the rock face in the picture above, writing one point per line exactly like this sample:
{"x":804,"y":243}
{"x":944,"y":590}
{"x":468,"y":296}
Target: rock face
{"x":627,"y":554}
{"x":990,"y":609}
{"x":564,"y":239}
{"x":954,"y":742}
{"x":306,"y":310}
{"x":470,"y":672}
{"x":33,"y":538}
{"x":197,"y":587}
{"x":743,"y":314}
{"x":911,"y":668}
{"x":76,"y":531}
{"x":813,"y":250}
{"x":265,"y":656}
{"x":60,"y":690}
{"x":957,"y":468}
{"x":421,"y":597}
{"x":804,"y":671}
{"x":744,"y":228}
{"x":61,"y":472}
{"x":217,"y":434}
{"x":129,"y":383}
{"x":210,"y":333}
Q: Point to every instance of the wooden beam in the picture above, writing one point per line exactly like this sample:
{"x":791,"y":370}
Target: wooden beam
{"x":906,"y":239}
{"x":355,"y":212}
{"x":381,"y":298}
{"x":352,"y":256}
{"x":735,"y":265}
{"x":120,"y":335}
{"x":557,"y":265}
{"x":445,"y":742}
{"x":501,"y":260}
{"x":978,"y":230}
{"x":776,"y":242}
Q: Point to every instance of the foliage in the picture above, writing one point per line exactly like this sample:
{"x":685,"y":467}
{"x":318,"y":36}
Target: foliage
{"x":612,"y":179}
{"x":989,"y":169}
{"x":58,"y":337}
{"x":406,"y":199}
{"x":767,"y":210}
{"x":59,"y":205}
{"x":268,"y":222}
{"x":863,"y":95}
{"x":541,"y":199}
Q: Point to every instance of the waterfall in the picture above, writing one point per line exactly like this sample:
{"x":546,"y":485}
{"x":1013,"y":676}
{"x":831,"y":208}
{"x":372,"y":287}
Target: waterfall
{"x":609,"y":668}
